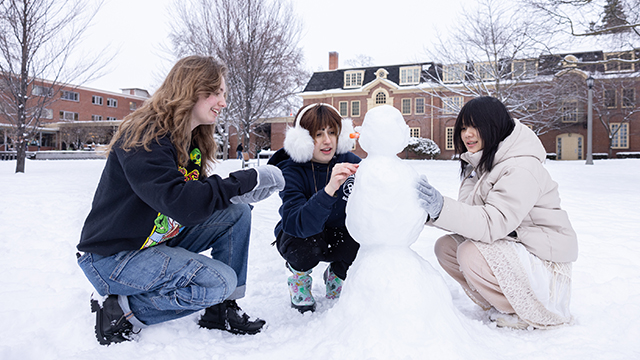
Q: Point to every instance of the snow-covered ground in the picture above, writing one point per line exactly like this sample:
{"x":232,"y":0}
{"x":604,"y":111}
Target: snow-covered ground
{"x":44,"y":297}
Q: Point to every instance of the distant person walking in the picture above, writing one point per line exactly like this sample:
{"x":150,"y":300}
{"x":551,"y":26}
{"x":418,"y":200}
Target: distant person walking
{"x":239,"y":150}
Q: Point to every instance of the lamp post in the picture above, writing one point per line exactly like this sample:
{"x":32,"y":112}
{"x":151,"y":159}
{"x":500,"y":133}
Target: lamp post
{"x":590,"y":122}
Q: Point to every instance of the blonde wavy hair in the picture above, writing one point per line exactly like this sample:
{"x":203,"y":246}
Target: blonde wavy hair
{"x":168,"y":111}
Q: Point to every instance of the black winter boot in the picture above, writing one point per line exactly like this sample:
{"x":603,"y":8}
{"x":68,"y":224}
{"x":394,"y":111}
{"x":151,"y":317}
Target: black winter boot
{"x":229,"y":317}
{"x":111,"y":324}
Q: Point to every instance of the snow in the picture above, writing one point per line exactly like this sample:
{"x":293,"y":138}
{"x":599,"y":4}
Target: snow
{"x":45,"y":297}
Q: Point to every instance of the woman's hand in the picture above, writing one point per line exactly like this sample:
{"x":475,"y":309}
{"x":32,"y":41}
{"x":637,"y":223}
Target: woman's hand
{"x":339,"y":175}
{"x":429,"y":198}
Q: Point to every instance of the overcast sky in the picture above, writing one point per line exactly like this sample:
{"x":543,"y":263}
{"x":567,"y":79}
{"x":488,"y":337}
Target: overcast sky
{"x":389,"y":31}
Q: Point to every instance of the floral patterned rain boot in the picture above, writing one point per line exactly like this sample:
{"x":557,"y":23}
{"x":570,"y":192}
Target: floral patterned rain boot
{"x":300,"y":290}
{"x":333,"y":283}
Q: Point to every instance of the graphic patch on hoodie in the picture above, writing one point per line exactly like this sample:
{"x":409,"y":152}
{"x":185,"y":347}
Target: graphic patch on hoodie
{"x":166,"y":228}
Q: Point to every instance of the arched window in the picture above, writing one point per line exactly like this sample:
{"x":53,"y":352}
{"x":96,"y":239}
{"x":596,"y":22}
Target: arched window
{"x":381,"y":98}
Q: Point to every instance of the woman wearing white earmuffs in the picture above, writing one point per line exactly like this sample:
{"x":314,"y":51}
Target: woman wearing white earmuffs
{"x":316,"y":163}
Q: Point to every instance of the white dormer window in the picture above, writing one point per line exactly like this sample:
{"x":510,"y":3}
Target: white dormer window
{"x":524,"y":68}
{"x":484,"y":70}
{"x":619,"y":65}
{"x":453,"y":73}
{"x":410,"y":75}
{"x":381,"y":73}
{"x":353,"y":79}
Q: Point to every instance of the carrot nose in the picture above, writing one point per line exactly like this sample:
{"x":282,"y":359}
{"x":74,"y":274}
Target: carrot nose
{"x":354,"y":135}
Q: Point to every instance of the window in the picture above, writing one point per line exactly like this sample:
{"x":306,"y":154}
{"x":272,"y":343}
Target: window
{"x":569,"y":112}
{"x":96,"y":100}
{"x":96,"y":117}
{"x":381,"y":98}
{"x":112,"y":102}
{"x":343,"y":108}
{"x":484,"y":70}
{"x":420,"y":106}
{"x":353,"y":78}
{"x":453,"y":73}
{"x":70,"y":95}
{"x":524,"y":69}
{"x":453,"y":104}
{"x":449,"y":139}
{"x":559,"y":148}
{"x":620,"y":135}
{"x":628,"y":98}
{"x":355,"y":108}
{"x":68,"y":115}
{"x":610,"y":98}
{"x":617,"y":65}
{"x":47,"y":113}
{"x":111,"y":118}
{"x":414,"y":132}
{"x":132,"y":105}
{"x":409,"y":75}
{"x":406,"y":106}
{"x":39,"y":90}
{"x":579,"y":148}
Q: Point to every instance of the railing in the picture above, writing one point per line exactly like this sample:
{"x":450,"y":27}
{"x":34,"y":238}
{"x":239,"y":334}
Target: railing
{"x":54,"y":155}
{"x":8,"y":155}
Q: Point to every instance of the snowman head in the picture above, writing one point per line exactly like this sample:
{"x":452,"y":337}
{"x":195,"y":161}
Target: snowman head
{"x":383,"y":131}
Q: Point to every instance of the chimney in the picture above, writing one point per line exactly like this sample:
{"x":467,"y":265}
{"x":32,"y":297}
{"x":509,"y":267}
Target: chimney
{"x":333,"y":60}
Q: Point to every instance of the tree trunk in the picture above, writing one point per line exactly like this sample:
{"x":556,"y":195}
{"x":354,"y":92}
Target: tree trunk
{"x":225,"y":150}
{"x":21,"y":155}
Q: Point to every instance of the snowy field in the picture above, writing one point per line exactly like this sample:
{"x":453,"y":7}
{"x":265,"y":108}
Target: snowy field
{"x":44,"y":297}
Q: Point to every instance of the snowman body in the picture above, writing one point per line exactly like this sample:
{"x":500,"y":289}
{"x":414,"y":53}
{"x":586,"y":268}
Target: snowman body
{"x":390,"y":289}
{"x":383,"y":207}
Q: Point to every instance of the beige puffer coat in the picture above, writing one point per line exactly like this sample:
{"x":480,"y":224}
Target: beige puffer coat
{"x":517,"y":194}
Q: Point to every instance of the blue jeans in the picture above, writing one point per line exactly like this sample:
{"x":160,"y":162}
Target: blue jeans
{"x":172,"y":279}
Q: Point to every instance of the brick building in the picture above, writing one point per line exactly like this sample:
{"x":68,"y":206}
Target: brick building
{"x":430,"y":109}
{"x":75,"y":115}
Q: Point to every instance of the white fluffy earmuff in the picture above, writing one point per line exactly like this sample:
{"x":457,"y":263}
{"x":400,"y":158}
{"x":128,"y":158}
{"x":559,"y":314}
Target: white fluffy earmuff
{"x":299,"y":144}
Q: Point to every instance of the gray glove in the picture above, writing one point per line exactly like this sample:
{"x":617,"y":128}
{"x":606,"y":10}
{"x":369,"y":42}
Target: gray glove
{"x":269,"y":180}
{"x":429,"y":198}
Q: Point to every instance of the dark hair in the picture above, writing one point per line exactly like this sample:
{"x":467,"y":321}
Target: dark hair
{"x":493,"y":122}
{"x":320,"y":117}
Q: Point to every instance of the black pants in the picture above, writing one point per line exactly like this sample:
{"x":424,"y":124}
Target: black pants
{"x":333,"y":245}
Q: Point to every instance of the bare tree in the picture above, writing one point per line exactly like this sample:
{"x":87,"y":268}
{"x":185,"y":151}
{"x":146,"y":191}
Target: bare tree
{"x":589,"y":17}
{"x":614,"y":22}
{"x":258,"y":41}
{"x":37,"y":39}
{"x":495,"y":51}
{"x":360,"y":60}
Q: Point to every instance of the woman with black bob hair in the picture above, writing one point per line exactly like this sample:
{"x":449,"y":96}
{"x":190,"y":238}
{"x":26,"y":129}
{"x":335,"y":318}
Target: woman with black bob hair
{"x":511,"y":245}
{"x":494,"y":124}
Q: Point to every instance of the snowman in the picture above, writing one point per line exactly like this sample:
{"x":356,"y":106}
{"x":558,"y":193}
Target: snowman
{"x":392,"y":290}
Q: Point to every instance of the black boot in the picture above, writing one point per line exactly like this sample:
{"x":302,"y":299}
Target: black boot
{"x":229,"y":317}
{"x":111,"y":324}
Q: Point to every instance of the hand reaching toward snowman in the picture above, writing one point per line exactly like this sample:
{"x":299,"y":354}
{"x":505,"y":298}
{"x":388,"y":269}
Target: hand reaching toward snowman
{"x":339,"y":175}
{"x":429,"y":198}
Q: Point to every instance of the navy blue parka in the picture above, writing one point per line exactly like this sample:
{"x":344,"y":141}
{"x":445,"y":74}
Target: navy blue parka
{"x":306,"y":208}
